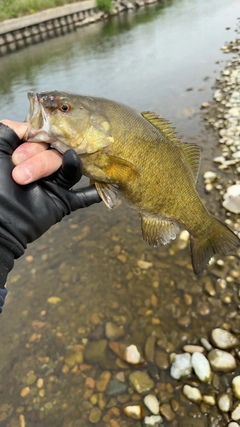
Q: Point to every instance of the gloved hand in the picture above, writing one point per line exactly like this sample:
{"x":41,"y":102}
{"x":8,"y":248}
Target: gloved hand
{"x":26,"y":212}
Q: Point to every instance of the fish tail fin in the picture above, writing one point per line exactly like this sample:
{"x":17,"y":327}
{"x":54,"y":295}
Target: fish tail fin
{"x":218,"y":239}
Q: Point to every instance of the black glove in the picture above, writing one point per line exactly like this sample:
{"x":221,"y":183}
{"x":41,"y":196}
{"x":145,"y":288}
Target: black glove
{"x":27,"y":211}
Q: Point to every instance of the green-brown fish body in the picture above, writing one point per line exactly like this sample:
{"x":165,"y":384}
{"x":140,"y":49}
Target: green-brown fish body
{"x":138,"y":156}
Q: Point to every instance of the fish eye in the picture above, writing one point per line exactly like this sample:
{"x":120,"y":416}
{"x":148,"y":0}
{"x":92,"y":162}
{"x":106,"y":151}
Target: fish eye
{"x":65,"y":107}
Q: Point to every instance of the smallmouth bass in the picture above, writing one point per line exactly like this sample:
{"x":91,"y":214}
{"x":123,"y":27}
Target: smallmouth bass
{"x":138,"y":156}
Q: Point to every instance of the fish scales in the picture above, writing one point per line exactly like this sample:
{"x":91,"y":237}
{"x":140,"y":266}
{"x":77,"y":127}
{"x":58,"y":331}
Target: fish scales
{"x":138,"y":156}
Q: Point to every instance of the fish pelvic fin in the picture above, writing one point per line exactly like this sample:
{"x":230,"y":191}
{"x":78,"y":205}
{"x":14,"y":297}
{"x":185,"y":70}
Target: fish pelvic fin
{"x":157,"y":231}
{"x":109,"y":193}
{"x":190,"y":151}
{"x":219,"y":239}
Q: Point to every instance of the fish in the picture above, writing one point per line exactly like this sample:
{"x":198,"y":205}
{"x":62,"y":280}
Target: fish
{"x":138,"y":157}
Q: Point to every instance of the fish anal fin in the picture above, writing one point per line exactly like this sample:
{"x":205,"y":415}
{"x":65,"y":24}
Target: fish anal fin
{"x":190,"y":151}
{"x":157,"y":231}
{"x":109,"y":193}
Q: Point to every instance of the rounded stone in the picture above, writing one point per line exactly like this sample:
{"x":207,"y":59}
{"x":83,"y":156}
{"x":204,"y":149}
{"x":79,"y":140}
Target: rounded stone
{"x":115,"y":388}
{"x":182,"y":366}
{"x":113,"y":332}
{"x":152,"y":403}
{"x":133,"y":411}
{"x":201,"y":367}
{"x":221,"y":361}
{"x":192,"y":393}
{"x":224,"y":339}
{"x":95,"y":415}
{"x":140,"y":381}
{"x":224,"y":402}
{"x":236,"y":386}
{"x":235,"y":415}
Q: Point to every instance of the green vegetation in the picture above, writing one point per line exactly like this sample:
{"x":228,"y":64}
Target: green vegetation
{"x":105,"y":5}
{"x":15,"y":8}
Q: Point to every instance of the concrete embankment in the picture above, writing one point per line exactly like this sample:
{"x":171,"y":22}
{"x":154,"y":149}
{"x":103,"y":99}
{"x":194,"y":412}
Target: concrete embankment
{"x":18,"y":33}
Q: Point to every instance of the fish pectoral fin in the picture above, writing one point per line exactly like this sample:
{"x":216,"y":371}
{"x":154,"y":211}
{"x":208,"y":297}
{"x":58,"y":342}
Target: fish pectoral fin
{"x":190,"y":151}
{"x":120,"y":170}
{"x":157,"y":231}
{"x":109,"y":193}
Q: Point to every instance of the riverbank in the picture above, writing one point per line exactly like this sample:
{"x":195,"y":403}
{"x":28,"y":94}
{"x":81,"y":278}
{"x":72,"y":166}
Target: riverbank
{"x":18,"y":33}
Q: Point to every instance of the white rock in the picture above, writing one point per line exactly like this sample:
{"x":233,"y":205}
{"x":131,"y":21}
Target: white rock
{"x":236,"y":386}
{"x":201,"y":367}
{"x":132,"y":355}
{"x":236,"y":413}
{"x":224,"y":339}
{"x":219,"y":159}
{"x":210,"y":175}
{"x":192,"y":393}
{"x":234,"y":112}
{"x":221,"y":361}
{"x":236,"y":155}
{"x":232,"y":204}
{"x":233,"y":424}
{"x":153,"y":420}
{"x":152,"y":403}
{"x":224,"y":402}
{"x":209,"y":399}
{"x":133,"y":411}
{"x":181,"y":366}
{"x":233,"y":190}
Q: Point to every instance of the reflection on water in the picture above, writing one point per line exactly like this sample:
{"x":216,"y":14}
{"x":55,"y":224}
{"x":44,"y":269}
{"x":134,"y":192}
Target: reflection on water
{"x":160,"y":58}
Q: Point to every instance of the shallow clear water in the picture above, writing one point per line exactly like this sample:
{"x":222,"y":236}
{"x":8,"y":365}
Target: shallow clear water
{"x":163,"y":58}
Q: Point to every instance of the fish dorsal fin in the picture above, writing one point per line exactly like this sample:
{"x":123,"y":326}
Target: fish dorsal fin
{"x":190,"y":152}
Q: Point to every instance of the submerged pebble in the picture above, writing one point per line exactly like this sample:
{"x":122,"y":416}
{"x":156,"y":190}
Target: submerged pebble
{"x":182,"y":366}
{"x":224,"y":339}
{"x":201,"y":367}
{"x":152,"y":403}
{"x":192,"y":393}
{"x":221,"y":361}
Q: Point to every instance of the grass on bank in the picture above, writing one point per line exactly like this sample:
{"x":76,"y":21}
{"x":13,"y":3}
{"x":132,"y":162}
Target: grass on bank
{"x":15,"y":8}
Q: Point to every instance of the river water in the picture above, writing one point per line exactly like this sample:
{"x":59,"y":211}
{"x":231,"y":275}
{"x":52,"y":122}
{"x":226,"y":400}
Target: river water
{"x":164,"y":58}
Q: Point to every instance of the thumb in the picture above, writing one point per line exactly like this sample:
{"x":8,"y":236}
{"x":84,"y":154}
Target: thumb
{"x":84,"y":197}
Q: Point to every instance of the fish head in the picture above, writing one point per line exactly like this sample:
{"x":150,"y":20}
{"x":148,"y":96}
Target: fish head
{"x":63,"y":120}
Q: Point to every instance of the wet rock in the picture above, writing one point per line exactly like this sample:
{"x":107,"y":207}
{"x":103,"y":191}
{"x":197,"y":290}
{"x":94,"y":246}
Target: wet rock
{"x":201,"y":367}
{"x":206,"y":344}
{"x":103,"y":381}
{"x":224,"y":402}
{"x":167,"y":412}
{"x":113,"y":332}
{"x":209,"y":399}
{"x":235,"y":415}
{"x":133,"y":411}
{"x":74,"y":355}
{"x":189,"y":348}
{"x":31,"y":379}
{"x":232,"y":199}
{"x":236,"y":386}
{"x":182,"y":366}
{"x":221,"y":361}
{"x":224,"y":339}
{"x":192,"y":393}
{"x":150,"y":348}
{"x":132,"y":355}
{"x":95,"y":415}
{"x":233,"y":424}
{"x":161,"y":359}
{"x":141,"y":382}
{"x":153,"y":420}
{"x":128,"y":353}
{"x":115,"y":387}
{"x":152,"y":403}
{"x":154,"y":373}
{"x":95,"y":351}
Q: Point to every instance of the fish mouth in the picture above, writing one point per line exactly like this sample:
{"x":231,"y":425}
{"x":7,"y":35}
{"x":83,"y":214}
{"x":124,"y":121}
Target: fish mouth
{"x":39,"y":129}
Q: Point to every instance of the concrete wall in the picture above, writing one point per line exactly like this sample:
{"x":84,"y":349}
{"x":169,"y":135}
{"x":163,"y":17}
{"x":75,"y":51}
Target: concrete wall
{"x":18,"y":33}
